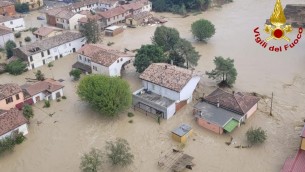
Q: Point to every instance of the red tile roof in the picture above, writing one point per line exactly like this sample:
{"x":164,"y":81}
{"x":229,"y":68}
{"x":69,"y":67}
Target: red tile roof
{"x":49,"y":85}
{"x":7,"y":90}
{"x":168,"y":76}
{"x":44,"y":31}
{"x":10,"y":120}
{"x":112,"y":12}
{"x":101,"y":54}
{"x":5,"y":3}
{"x":296,"y":164}
{"x":5,"y":30}
{"x":238,"y":102}
{"x":133,"y":6}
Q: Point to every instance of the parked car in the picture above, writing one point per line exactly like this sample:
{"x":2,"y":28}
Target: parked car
{"x":41,"y":18}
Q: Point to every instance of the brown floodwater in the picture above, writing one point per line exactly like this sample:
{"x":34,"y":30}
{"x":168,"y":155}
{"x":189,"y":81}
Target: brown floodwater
{"x":58,"y":146}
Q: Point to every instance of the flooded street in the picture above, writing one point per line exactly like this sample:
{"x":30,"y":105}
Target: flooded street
{"x":58,"y":146}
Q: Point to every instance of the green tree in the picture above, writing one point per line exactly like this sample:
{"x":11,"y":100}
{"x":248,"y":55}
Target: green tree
{"x":256,"y":136}
{"x":7,"y":144}
{"x":9,"y":46}
{"x":224,"y":70}
{"x":184,"y":50}
{"x":159,"y":5}
{"x":75,"y":73}
{"x":16,"y":67}
{"x":118,"y":152}
{"x":22,"y":7}
{"x":92,"y":161}
{"x":108,"y":95}
{"x":28,"y":111}
{"x":166,"y":37}
{"x":177,"y":60}
{"x":147,"y":55}
{"x":39,"y":75}
{"x":203,"y":29}
{"x":91,"y":31}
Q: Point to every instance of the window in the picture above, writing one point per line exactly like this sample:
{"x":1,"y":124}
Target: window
{"x":89,"y":61}
{"x":48,"y":52}
{"x":153,"y":87}
{"x":80,"y":57}
{"x":31,"y":58}
{"x":121,"y":59}
{"x":42,"y":54}
{"x":17,"y":97}
{"x":117,"y":61}
{"x":11,"y":22}
{"x":108,"y":20}
{"x":9,"y":100}
{"x":95,"y":68}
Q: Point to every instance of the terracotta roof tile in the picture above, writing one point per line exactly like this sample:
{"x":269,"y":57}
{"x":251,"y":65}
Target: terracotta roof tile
{"x":44,"y":31}
{"x":5,"y":3}
{"x":112,"y":12}
{"x":238,"y":102}
{"x":48,"y":85}
{"x":101,"y":54}
{"x":133,"y":6}
{"x":7,"y":90}
{"x":8,"y":18}
{"x":5,"y":30}
{"x":10,"y":120}
{"x":168,"y":76}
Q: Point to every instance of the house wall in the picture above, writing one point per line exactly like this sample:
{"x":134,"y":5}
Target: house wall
{"x":147,"y":7}
{"x":15,"y":25}
{"x":171,"y":110}
{"x":189,"y":88}
{"x":161,"y":90}
{"x":210,"y":126}
{"x":51,"y":20}
{"x":116,"y":19}
{"x":73,"y":21}
{"x":56,"y":52}
{"x":84,"y":59}
{"x":176,"y":137}
{"x":60,"y":91}
{"x":38,"y":97}
{"x":99,"y":69}
{"x":33,"y":4}
{"x":23,"y":128}
{"x":251,"y":111}
{"x":8,"y":10}
{"x":115,"y":68}
{"x":62,"y":23}
{"x":5,"y":38}
{"x":5,"y":106}
{"x":303,"y":144}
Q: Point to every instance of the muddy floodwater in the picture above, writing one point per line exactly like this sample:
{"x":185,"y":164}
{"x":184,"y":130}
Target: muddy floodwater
{"x":58,"y":146}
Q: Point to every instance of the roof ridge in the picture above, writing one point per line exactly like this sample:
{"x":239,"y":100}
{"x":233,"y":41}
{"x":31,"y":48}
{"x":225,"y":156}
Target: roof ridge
{"x":238,"y":103}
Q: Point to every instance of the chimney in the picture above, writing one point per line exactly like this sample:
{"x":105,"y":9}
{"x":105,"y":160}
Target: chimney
{"x":172,"y":62}
{"x":218,"y":103}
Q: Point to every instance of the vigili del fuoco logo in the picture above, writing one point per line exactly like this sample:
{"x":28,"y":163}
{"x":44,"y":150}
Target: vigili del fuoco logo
{"x":278,"y":30}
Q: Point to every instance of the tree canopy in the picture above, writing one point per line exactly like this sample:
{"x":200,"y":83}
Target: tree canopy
{"x":118,"y":152}
{"x":39,"y":75}
{"x":9,"y":46}
{"x":27,"y":111}
{"x":91,"y":31}
{"x":92,"y":161}
{"x":107,"y":95}
{"x":256,"y":136}
{"x":22,"y":7}
{"x":224,"y":70}
{"x":147,"y":55}
{"x":203,"y":29}
{"x":16,"y":67}
{"x":184,"y":50}
{"x":75,"y":73}
{"x":176,"y":6}
{"x":166,"y":37}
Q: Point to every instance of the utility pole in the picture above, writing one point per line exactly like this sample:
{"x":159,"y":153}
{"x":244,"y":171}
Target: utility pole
{"x":271,"y":104}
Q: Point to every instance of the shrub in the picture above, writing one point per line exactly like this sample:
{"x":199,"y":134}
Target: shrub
{"x":130,"y":114}
{"x":16,"y":67}
{"x":19,"y":138}
{"x":75,"y":73}
{"x":130,"y":121}
{"x":50,"y":64}
{"x":92,"y":161}
{"x":256,"y":136}
{"x":33,"y":29}
{"x":9,"y":46}
{"x":27,"y":39}
{"x":47,"y":104}
{"x":39,"y":75}
{"x":118,"y":152}
{"x":7,"y":144}
{"x":64,"y":97}
{"x":58,"y":100}
{"x":18,"y":35}
{"x":27,"y":111}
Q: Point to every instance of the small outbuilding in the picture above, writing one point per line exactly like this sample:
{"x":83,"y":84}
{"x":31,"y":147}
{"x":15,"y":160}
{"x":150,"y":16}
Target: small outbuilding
{"x":181,"y":133}
{"x":303,"y":139}
{"x":113,"y":30}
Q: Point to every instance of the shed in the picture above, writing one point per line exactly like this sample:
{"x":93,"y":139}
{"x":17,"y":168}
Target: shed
{"x":181,"y":133}
{"x":113,"y":30}
{"x":303,"y":139}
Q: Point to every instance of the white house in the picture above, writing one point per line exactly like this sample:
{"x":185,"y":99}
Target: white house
{"x":99,"y":59}
{"x":12,"y":121}
{"x":49,"y":89}
{"x":166,"y":89}
{"x":68,"y":20}
{"x":13,"y":22}
{"x":5,"y":35}
{"x":45,"y":51}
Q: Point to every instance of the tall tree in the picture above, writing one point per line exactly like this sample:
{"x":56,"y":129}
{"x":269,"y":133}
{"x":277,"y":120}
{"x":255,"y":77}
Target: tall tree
{"x":39,"y":75}
{"x":16,"y":67}
{"x":185,"y":50}
{"x":224,"y":70}
{"x":91,"y":31}
{"x":92,"y":161}
{"x":27,"y":111}
{"x":166,"y":37}
{"x":9,"y":46}
{"x":203,"y":29}
{"x":107,"y":95}
{"x":147,"y":55}
{"x":118,"y":152}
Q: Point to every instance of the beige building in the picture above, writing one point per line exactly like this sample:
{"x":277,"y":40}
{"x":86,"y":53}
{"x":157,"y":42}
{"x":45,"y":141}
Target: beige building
{"x":10,"y":95}
{"x":33,"y":4}
{"x":46,"y":32}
